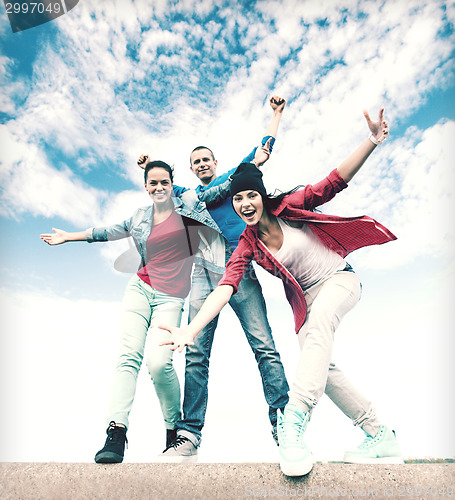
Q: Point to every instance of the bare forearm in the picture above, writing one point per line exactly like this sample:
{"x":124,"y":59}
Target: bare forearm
{"x":210,"y":308}
{"x":76,"y":236}
{"x":353,"y":163}
{"x":272,"y":129}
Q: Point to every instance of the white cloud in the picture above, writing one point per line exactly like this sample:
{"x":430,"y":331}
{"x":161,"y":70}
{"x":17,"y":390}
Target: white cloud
{"x":102,"y":93}
{"x":30,"y":183}
{"x":419,"y":212}
{"x":406,"y":185}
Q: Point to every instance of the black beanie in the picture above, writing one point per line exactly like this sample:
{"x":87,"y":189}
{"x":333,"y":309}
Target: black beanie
{"x":247,"y":176}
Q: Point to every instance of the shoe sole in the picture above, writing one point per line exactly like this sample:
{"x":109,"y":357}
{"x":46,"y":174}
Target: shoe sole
{"x":176,"y":460}
{"x":298,"y":468}
{"x":381,"y":460}
{"x":108,"y":457}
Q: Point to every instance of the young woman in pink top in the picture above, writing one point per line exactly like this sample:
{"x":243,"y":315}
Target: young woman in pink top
{"x":167,"y":235}
{"x":307,"y":250}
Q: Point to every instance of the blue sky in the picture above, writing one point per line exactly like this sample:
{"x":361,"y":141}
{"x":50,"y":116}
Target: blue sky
{"x":84,"y":95}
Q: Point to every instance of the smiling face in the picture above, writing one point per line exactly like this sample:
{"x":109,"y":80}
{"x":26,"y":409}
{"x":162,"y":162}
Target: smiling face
{"x":248,"y":206}
{"x":203,"y":165}
{"x":159,"y":186}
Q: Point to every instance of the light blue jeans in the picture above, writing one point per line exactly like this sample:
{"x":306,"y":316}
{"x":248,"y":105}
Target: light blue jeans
{"x":249,"y":305}
{"x":143,"y":309}
{"x":328,"y":301}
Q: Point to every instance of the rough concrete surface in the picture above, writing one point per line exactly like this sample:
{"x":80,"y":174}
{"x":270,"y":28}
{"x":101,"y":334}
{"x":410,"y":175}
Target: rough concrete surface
{"x":222,"y":481}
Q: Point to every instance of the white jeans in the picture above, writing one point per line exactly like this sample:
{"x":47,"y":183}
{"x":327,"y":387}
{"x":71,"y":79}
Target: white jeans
{"x":328,"y":301}
{"x":143,"y":309}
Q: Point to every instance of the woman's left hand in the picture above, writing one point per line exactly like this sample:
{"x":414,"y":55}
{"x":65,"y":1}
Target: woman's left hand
{"x":56,"y":238}
{"x":379,"y":129}
{"x":180,"y":337}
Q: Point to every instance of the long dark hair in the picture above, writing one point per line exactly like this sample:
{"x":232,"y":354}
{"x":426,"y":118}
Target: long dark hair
{"x":272,"y":201}
{"x":158,"y":164}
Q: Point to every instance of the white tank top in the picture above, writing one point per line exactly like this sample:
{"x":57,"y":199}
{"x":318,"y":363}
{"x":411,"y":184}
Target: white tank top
{"x":305,"y":256}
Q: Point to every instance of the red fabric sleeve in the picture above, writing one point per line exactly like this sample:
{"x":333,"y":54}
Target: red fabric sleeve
{"x":312,"y":196}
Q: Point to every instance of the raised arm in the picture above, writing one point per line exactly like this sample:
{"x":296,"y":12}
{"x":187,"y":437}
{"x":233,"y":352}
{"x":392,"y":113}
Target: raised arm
{"x":59,"y":236}
{"x":212,"y":306}
{"x":379,"y":131}
{"x":277,"y":104}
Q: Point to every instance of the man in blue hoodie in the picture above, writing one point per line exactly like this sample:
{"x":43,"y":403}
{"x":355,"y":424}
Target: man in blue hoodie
{"x":248,"y":304}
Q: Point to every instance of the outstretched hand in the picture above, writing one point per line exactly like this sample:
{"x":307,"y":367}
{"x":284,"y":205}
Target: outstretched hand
{"x":277,"y":103}
{"x":56,"y":238}
{"x":180,"y":338}
{"x":142,"y":160}
{"x":262,"y":153}
{"x":379,"y":129}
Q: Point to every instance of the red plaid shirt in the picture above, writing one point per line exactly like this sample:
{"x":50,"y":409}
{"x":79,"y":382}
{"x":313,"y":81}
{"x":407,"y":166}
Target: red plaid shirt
{"x":343,"y":235}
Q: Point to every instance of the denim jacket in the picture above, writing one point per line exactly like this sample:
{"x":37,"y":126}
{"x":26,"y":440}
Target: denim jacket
{"x":211,"y":247}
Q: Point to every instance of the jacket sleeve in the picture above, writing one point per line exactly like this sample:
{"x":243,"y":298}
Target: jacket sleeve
{"x":311,"y":196}
{"x":178,"y":190}
{"x":109,"y":233}
{"x":237,"y":264}
{"x":215,"y":194}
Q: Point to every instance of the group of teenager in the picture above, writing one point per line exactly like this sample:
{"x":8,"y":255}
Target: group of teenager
{"x":202,"y":242}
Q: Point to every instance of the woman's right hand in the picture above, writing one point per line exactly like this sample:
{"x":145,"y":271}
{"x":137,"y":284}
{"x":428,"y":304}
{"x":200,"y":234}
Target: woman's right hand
{"x":56,"y":238}
{"x":379,"y":129}
{"x":180,"y":337}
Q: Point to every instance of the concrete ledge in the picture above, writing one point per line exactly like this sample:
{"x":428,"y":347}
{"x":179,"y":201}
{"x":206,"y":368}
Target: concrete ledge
{"x":60,"y":481}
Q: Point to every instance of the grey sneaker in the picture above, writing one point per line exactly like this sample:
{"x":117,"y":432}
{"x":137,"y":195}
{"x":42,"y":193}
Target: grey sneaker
{"x":180,"y":450}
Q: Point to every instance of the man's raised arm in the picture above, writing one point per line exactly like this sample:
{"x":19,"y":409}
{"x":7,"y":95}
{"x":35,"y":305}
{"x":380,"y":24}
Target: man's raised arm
{"x":277,"y":103}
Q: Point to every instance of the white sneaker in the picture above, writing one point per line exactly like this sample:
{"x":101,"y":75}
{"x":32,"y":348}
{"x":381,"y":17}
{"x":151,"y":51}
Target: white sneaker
{"x":295,"y":458}
{"x":180,"y":450}
{"x":383,"y":448}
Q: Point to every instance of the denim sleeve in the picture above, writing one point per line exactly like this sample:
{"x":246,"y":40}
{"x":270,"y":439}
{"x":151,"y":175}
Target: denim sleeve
{"x":108,"y":233}
{"x":215,"y":194}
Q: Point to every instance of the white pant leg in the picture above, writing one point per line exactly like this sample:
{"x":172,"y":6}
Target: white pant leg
{"x":328,"y":301}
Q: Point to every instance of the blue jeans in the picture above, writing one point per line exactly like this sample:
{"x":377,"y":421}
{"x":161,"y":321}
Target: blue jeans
{"x":143,"y":309}
{"x":249,"y":305}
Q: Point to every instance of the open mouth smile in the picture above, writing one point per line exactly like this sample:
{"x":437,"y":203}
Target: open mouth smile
{"x":248,"y":214}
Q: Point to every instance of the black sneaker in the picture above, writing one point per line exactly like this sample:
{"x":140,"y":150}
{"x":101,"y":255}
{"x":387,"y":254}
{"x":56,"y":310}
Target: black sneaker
{"x":273,"y":416}
{"x":180,"y":450}
{"x":114,"y":448}
{"x":275,"y":435}
{"x":171,"y":434}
